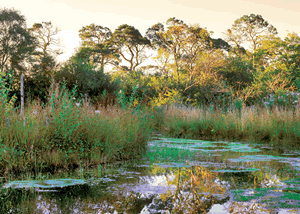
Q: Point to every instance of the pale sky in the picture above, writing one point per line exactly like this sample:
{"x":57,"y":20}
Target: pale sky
{"x":216,"y":15}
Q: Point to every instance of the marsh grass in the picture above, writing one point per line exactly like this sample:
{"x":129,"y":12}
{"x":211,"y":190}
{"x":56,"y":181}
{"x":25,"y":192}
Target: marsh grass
{"x":63,"y":135}
{"x":276,"y":126}
{"x":69,"y":133}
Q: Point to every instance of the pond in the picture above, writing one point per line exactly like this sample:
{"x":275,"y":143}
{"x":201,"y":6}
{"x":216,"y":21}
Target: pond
{"x":176,"y":176}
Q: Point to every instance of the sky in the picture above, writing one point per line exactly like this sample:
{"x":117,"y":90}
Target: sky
{"x":216,"y":15}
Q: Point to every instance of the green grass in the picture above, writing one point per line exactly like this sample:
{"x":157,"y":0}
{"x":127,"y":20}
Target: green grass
{"x":62,"y":135}
{"x":255,"y":124}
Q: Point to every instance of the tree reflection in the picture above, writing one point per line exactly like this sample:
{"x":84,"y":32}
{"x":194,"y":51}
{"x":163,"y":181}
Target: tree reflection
{"x":196,"y":190}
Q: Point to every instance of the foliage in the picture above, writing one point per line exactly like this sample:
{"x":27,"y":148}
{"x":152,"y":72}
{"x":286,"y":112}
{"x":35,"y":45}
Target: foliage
{"x":251,"y":26}
{"x":163,"y":60}
{"x":17,"y":46}
{"x":170,"y":40}
{"x":134,"y":85}
{"x":61,"y":134}
{"x":277,"y":70}
{"x":248,"y":28}
{"x":96,"y":38}
{"x":16,"y":42}
{"x":169,"y":97}
{"x":191,"y":49}
{"x":45,"y":33}
{"x":6,"y":103}
{"x":289,"y":61}
{"x":237,"y":72}
{"x":128,"y":37}
{"x":193,"y":68}
{"x":81,"y":71}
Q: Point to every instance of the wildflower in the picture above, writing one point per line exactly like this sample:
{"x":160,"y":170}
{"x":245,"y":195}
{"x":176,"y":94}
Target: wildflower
{"x":74,"y":98}
{"x":35,"y":112}
{"x":77,"y":104}
{"x":97,"y":112}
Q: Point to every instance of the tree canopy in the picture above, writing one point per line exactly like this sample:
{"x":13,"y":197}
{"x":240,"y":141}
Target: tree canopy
{"x":191,"y":66}
{"x":16,"y":44}
{"x":96,"y":38}
{"x":128,"y":39}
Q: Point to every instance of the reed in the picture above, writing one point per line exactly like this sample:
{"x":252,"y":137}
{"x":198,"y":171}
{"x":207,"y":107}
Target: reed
{"x":69,"y":133}
{"x":277,"y":126}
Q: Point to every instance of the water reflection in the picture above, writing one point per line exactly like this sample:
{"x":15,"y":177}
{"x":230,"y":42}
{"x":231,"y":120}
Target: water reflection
{"x":184,"y":176}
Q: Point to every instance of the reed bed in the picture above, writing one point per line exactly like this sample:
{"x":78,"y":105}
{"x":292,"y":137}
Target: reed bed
{"x":276,"y":126}
{"x":67,"y":134}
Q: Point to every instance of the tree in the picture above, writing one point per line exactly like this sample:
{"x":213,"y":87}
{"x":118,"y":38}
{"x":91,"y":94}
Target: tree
{"x":127,"y":38}
{"x":16,"y":47}
{"x":96,"y":38}
{"x":170,"y":40}
{"x":197,"y":44}
{"x":163,"y":59}
{"x":280,"y":59}
{"x":249,"y":28}
{"x":291,"y":58}
{"x":236,"y":40}
{"x":16,"y":44}
{"x":80,"y":70}
{"x":236,"y":71}
{"x":206,"y":73}
{"x":185,"y":44}
{"x":42,"y":62}
{"x":45,"y":32}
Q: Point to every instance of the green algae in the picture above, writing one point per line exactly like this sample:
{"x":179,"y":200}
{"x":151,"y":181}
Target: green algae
{"x":45,"y":184}
{"x":200,"y":145}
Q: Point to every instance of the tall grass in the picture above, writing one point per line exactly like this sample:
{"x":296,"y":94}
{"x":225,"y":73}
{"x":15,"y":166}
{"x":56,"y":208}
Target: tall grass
{"x":65,"y":134}
{"x":276,"y":126}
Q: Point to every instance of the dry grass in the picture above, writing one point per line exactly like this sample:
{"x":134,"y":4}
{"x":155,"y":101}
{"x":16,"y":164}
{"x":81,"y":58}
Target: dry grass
{"x":248,"y":114}
{"x":63,"y":133}
{"x":255,"y":124}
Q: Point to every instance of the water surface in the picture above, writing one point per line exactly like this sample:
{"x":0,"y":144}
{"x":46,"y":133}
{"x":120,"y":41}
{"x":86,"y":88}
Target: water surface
{"x":191,"y":176}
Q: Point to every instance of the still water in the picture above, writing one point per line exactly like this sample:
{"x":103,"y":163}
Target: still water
{"x":176,"y":176}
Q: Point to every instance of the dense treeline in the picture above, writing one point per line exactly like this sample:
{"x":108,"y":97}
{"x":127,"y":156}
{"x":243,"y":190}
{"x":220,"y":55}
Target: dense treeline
{"x":191,"y":67}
